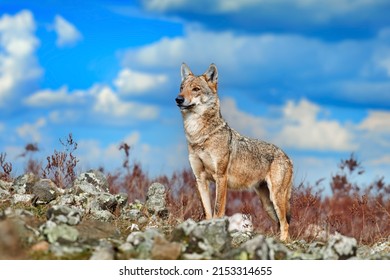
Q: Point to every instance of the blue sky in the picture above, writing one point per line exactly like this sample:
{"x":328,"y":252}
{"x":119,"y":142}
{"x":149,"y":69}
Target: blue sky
{"x":311,"y":76}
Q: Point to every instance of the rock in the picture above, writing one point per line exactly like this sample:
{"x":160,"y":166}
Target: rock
{"x":339,"y":247}
{"x":155,"y":200}
{"x":239,"y":237}
{"x":62,"y":233}
{"x":142,"y":242}
{"x":10,"y":243}
{"x":204,"y":239}
{"x":102,"y":215}
{"x":164,"y":250}
{"x":256,"y":248}
{"x":380,"y":250}
{"x":5,"y":185}
{"x":91,"y":182}
{"x":61,"y":214}
{"x":4,"y":193}
{"x":73,"y":251}
{"x":215,"y":231}
{"x":41,"y":246}
{"x":183,"y":230}
{"x":17,"y":198}
{"x":121,"y":199}
{"x":4,"y":188}
{"x":265,"y":248}
{"x":240,"y":222}
{"x":277,"y":250}
{"x":44,"y":191}
{"x":92,"y":231}
{"x":24,"y":182}
{"x":133,"y":212}
{"x":105,"y":201}
{"x":105,"y":251}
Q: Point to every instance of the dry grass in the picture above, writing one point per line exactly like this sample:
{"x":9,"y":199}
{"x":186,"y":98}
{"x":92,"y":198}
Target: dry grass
{"x":352,"y":210}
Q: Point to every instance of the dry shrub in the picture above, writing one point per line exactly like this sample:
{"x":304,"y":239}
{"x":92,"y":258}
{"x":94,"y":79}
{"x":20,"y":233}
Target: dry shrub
{"x":5,"y":168}
{"x":362,"y":212}
{"x":352,"y":210}
{"x":61,"y":166}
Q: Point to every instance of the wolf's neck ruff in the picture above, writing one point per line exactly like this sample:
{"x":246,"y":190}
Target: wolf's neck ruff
{"x":201,"y":125}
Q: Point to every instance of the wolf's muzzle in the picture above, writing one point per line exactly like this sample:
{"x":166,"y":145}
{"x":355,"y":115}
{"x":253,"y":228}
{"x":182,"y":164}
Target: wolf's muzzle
{"x":179,"y":100}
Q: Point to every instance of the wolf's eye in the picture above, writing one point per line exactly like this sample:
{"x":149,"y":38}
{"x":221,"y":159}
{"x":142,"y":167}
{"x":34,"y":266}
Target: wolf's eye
{"x":196,"y":89}
{"x":181,"y":88}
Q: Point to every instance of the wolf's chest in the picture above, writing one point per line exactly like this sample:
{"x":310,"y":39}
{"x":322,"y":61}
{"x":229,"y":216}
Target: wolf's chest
{"x":209,"y":162}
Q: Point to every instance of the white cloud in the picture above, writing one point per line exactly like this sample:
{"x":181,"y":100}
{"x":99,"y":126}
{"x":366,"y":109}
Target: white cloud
{"x":374,"y":138}
{"x":246,"y":123}
{"x":30,"y":132}
{"x":92,"y":152}
{"x":18,"y":64}
{"x":49,"y":97}
{"x":303,"y":130}
{"x":376,"y":121}
{"x":108,"y":103}
{"x":67,"y":33}
{"x":219,"y":6}
{"x":134,"y":82}
{"x":383,"y":160}
{"x":65,"y":116}
{"x":299,"y":127}
{"x":100,"y":103}
{"x":286,"y":63}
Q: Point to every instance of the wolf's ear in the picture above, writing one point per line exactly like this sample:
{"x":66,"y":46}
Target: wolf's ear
{"x":212,"y":73}
{"x":185,"y":71}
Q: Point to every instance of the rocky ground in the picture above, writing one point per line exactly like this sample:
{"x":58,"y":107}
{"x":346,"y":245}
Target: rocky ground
{"x":40,"y":221}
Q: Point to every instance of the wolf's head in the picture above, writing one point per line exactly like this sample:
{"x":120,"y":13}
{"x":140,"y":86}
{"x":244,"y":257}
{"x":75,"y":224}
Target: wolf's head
{"x":198,"y":93}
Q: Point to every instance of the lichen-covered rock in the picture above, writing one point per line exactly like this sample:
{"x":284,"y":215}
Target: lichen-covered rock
{"x":215,"y":231}
{"x":23,"y":182}
{"x":165,"y":250}
{"x":91,"y":182}
{"x":121,"y":199}
{"x":17,"y":198}
{"x":10,"y":243}
{"x":203,"y":240}
{"x":63,"y":234}
{"x":4,"y":193}
{"x":105,"y":201}
{"x":44,"y":191}
{"x":256,"y":248}
{"x":5,"y":188}
{"x":265,"y":248}
{"x":104,"y":251}
{"x":61,"y":214}
{"x":155,"y":200}
{"x":240,"y":237}
{"x":377,"y":251}
{"x":102,"y":215}
{"x":339,"y":247}
{"x":142,"y":243}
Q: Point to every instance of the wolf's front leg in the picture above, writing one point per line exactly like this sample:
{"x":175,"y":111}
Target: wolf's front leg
{"x":221,"y":193}
{"x":203,"y":188}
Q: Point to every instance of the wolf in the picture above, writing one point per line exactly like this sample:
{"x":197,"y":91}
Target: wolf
{"x":219,"y":154}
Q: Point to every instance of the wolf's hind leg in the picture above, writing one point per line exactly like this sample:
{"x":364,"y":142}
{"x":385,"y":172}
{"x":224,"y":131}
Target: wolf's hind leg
{"x":263,"y":193}
{"x":279,"y":185}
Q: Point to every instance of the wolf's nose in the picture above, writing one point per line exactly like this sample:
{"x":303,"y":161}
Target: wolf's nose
{"x":179,"y":100}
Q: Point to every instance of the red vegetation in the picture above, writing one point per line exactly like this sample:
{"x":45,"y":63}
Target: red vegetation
{"x":352,"y":210}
